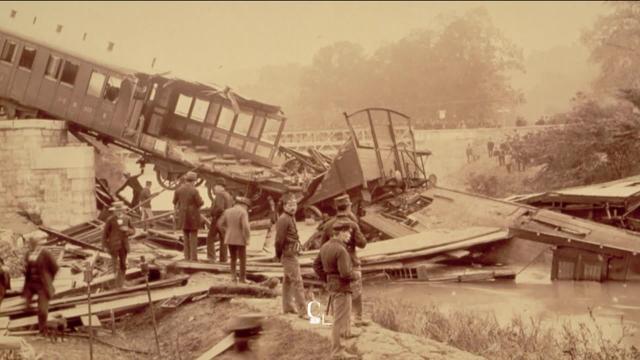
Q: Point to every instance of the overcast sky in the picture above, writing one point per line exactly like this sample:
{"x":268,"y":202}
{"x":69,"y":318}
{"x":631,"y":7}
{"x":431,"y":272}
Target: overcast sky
{"x":224,"y":42}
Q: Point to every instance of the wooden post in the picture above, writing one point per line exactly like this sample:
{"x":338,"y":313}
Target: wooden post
{"x":88,"y":274}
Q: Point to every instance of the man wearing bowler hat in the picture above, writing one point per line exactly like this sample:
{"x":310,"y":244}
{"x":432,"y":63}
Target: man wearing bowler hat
{"x":235,"y":223}
{"x":188,"y":202}
{"x":115,"y":239}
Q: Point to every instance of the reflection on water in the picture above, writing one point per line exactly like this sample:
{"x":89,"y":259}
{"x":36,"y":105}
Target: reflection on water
{"x":554,"y":302}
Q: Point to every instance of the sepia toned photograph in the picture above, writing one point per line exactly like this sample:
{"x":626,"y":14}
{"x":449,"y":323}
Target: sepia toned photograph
{"x":315,"y":180}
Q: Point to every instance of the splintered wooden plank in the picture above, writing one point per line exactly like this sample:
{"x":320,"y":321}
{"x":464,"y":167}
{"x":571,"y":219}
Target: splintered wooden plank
{"x":218,"y":348}
{"x":387,"y":226}
{"x":68,"y":238}
{"x":4,"y":323}
{"x":115,"y":305}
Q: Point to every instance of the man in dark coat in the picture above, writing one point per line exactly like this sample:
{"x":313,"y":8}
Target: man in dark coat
{"x":288,"y":248}
{"x":115,"y":239}
{"x":188,"y":202}
{"x":333,"y":263}
{"x":5,"y":280}
{"x":222,"y":202}
{"x":136,"y":188}
{"x":357,"y":239}
{"x":41,"y":269}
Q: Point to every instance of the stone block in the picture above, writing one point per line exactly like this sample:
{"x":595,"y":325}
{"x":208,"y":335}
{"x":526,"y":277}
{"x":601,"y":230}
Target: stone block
{"x":81,"y":173}
{"x":6,"y":124}
{"x":62,"y":158}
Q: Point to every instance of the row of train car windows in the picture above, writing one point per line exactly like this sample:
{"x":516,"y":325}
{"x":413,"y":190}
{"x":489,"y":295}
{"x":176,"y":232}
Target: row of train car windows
{"x":246,"y":124}
{"x":63,"y":70}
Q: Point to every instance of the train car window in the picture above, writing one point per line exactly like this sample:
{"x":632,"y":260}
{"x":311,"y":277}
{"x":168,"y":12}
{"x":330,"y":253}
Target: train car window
{"x":53,"y":67}
{"x":112,"y":91}
{"x":225,"y":120}
{"x":8,"y":51}
{"x":96,"y":83}
{"x":271,"y":129}
{"x":243,"y":123}
{"x":212,"y":116}
{"x":183,"y":105}
{"x":256,"y":126}
{"x":200,"y":108}
{"x":27,"y":58}
{"x":154,"y":90}
{"x":69,"y":73}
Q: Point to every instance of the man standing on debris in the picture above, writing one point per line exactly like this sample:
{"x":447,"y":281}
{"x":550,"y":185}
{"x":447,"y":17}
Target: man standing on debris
{"x":490,"y":146}
{"x":188,"y":202}
{"x":222,"y":202}
{"x":115,"y":239}
{"x":145,"y":199}
{"x":357,"y":239}
{"x":41,"y":269}
{"x":136,"y":188}
{"x":333,"y":265}
{"x":235,"y":223}
{"x":287,"y":250}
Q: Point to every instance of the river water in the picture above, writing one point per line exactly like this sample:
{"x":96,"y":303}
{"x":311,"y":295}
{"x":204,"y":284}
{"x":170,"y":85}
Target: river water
{"x":532,"y":294}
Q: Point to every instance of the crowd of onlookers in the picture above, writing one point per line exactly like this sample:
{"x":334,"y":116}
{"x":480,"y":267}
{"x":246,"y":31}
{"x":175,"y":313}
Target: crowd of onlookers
{"x":512,"y":153}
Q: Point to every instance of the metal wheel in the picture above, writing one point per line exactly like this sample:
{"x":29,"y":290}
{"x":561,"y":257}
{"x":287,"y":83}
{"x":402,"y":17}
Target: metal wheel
{"x":167,"y":180}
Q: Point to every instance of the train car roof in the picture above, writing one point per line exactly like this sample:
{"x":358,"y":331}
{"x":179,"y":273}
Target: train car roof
{"x":269,"y":108}
{"x":105,"y":64}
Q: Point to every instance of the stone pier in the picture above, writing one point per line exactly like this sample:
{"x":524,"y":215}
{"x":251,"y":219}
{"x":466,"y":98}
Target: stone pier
{"x":42,"y":172}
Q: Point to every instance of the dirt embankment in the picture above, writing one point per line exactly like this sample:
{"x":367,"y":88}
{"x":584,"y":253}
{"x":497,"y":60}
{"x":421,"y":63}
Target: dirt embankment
{"x":192,"y":329}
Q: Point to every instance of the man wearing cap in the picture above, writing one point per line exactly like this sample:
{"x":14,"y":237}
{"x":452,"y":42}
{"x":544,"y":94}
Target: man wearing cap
{"x":222,"y":202}
{"x":287,"y":250}
{"x":334,"y":262}
{"x":188,"y":202}
{"x":115,"y":239}
{"x":41,"y":268}
{"x":357,"y":239}
{"x":136,"y":188}
{"x":145,"y":200}
{"x":235,"y":223}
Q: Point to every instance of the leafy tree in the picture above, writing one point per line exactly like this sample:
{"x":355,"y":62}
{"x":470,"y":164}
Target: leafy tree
{"x":614,"y":42}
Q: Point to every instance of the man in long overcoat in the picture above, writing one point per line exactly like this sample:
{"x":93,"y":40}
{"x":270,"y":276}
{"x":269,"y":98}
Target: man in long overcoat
{"x":115,"y":239}
{"x":41,"y":269}
{"x":235,"y":222}
{"x":187,"y":202}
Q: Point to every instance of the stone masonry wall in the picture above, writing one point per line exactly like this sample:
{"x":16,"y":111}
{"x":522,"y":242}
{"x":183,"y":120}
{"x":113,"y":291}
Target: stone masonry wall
{"x":40,"y":170}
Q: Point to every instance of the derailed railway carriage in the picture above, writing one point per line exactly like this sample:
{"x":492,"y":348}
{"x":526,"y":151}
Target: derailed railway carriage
{"x":176,"y":125}
{"x":179,"y":125}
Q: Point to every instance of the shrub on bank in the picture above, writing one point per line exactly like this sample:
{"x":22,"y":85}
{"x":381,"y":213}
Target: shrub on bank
{"x":481,"y":334}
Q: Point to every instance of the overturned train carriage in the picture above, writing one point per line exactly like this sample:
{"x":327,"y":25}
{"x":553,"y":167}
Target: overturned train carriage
{"x":179,"y":125}
{"x":174,"y":124}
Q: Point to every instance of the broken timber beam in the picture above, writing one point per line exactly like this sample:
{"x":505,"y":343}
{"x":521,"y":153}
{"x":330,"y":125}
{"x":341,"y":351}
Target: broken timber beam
{"x":69,"y":239}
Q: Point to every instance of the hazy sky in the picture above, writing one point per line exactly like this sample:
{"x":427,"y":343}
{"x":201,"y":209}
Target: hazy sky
{"x":225,"y":41}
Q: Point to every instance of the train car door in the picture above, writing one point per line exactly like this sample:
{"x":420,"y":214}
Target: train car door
{"x":49,"y":85}
{"x":120,"y":118}
{"x":22,"y":74}
{"x":104,"y":116}
{"x":62,"y":98}
{"x":90,"y":103}
{"x":8,"y":53}
{"x":37,"y":75}
{"x":79,"y":93}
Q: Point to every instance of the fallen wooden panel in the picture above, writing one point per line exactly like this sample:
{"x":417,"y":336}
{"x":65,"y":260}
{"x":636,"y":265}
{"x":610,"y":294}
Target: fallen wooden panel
{"x":389,"y":227}
{"x":426,"y":243}
{"x":218,"y":348}
{"x":96,"y":297}
{"x":105,"y":307}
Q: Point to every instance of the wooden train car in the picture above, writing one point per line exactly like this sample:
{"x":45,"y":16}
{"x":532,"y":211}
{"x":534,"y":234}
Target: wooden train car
{"x":175,"y":124}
